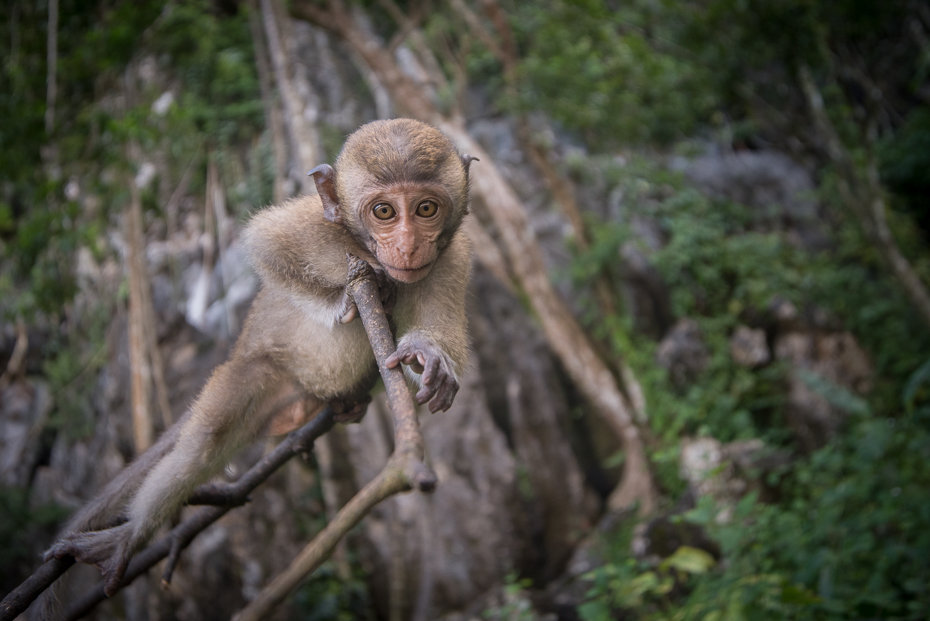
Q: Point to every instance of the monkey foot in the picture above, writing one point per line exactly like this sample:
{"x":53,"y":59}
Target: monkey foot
{"x":350,"y":411}
{"x":108,"y":550}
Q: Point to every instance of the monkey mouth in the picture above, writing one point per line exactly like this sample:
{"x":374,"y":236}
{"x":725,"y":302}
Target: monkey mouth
{"x":407,"y":274}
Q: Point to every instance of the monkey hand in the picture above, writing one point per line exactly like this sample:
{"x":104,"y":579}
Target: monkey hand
{"x":350,"y":410}
{"x":108,"y":550}
{"x":437,"y":379}
{"x":387,"y":290}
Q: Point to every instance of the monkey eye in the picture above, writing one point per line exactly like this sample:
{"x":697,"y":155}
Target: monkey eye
{"x":383,"y":211}
{"x":427,"y":209}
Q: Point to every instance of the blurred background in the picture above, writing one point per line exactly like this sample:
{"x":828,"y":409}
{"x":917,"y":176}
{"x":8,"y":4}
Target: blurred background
{"x":700,"y":320}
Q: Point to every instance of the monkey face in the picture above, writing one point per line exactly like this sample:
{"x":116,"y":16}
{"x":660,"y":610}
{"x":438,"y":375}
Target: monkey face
{"x":404,"y":223}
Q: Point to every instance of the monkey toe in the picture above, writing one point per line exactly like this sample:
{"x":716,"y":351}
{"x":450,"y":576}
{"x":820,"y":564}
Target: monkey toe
{"x":350,"y":412}
{"x":108,"y":550}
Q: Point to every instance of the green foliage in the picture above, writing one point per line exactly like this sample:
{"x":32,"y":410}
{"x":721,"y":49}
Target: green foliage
{"x":514,"y":604}
{"x":326,"y":597}
{"x":850,"y":540}
{"x":214,"y":58}
{"x":596,"y":70}
{"x":854,"y":528}
{"x":846,"y":535}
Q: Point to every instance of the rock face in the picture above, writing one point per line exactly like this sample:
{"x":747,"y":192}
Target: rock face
{"x":748,"y":347}
{"x":24,"y":409}
{"x":683,"y":353}
{"x":817,"y":357}
{"x":779,"y":189}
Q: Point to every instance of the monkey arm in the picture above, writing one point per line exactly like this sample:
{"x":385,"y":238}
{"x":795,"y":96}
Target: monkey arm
{"x":295,"y":249}
{"x":430,"y":316}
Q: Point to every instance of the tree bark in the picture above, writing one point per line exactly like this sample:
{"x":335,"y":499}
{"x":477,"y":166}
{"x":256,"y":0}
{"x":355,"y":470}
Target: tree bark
{"x":51,"y":93}
{"x":303,"y":137}
{"x":269,"y":102}
{"x":142,"y":428}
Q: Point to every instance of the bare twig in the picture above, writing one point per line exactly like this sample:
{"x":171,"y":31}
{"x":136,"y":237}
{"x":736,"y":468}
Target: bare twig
{"x":270,"y":104}
{"x":863,"y":193}
{"x":235,"y":494}
{"x":404,"y":470}
{"x":140,"y":366}
{"x":52,"y":79}
{"x":230,"y":495}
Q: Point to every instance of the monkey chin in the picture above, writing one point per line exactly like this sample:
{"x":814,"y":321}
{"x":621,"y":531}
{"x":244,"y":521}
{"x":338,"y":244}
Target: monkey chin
{"x":407,"y":275}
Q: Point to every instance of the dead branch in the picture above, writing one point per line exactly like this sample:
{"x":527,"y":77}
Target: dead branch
{"x":863,"y":193}
{"x":404,"y":470}
{"x":225,"y":496}
{"x":139,"y":363}
{"x":270,"y":104}
{"x":52,"y":79}
{"x":303,"y":137}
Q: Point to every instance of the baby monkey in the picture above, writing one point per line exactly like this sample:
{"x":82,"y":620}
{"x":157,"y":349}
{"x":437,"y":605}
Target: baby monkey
{"x":396,"y":198}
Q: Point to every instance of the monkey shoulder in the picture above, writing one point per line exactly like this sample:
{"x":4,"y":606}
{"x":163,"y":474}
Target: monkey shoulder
{"x":294,"y":246}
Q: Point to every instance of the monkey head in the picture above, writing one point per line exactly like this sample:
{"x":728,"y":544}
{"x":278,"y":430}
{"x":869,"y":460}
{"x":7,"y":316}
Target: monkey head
{"x":401,"y":188}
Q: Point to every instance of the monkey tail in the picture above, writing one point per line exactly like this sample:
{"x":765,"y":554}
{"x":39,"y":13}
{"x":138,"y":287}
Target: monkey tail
{"x":47,"y":606}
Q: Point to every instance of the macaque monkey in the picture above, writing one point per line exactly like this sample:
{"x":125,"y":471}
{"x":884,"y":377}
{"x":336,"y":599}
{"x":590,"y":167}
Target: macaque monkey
{"x":396,"y":198}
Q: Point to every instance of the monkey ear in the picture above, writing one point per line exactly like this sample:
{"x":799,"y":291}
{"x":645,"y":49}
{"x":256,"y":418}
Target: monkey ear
{"x":467,"y":160}
{"x":324,"y":176}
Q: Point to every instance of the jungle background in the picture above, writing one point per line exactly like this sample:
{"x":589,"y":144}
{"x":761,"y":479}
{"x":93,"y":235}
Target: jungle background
{"x":700,"y":379}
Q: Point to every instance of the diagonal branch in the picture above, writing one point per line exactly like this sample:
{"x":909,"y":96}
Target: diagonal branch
{"x":231,"y":495}
{"x":865,"y":196}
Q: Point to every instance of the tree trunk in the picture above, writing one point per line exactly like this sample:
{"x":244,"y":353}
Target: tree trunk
{"x":269,"y":102}
{"x":304,"y":139}
{"x":142,"y":429}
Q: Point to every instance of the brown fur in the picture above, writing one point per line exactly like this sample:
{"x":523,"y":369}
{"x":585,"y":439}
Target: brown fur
{"x":299,"y":338}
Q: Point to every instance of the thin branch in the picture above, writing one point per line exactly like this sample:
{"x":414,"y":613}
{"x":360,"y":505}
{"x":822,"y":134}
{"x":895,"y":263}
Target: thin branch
{"x":236,"y":494}
{"x":140,"y":367}
{"x":270,"y":104}
{"x":404,"y":470}
{"x":865,"y":196}
{"x":52,"y":79}
{"x":231,"y":495}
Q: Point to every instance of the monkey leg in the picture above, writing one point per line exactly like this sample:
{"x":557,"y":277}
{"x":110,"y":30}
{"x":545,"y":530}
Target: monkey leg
{"x":231,"y":410}
{"x":351,"y":407}
{"x":350,"y":410}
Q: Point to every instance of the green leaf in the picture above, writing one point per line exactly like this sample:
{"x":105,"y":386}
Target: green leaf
{"x":690,"y":560}
{"x":917,"y":379}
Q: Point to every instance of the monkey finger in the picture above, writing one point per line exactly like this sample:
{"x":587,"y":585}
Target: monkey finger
{"x":432,"y":369}
{"x":425,"y":394}
{"x":115,"y":575}
{"x":444,"y":396}
{"x":349,"y":313}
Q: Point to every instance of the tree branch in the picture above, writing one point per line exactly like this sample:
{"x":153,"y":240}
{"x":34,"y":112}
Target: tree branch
{"x":864,"y":195}
{"x":234,"y":494}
